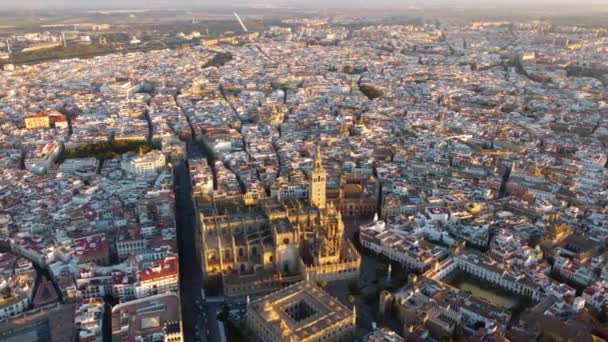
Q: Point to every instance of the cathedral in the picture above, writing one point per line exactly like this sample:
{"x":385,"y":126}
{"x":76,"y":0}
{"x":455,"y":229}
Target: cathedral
{"x":254,"y":249}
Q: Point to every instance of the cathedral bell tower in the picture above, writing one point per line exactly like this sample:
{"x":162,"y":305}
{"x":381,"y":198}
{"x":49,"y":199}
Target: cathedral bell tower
{"x":318,"y":180}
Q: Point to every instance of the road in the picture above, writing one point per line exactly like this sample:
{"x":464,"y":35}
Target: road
{"x":210,"y":321}
{"x":199,"y":318}
{"x":191,"y":277}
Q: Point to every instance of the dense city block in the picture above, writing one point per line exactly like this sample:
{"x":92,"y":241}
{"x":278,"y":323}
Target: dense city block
{"x":320,"y":178}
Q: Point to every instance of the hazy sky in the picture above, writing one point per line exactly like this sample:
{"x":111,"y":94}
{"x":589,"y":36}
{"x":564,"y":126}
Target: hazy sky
{"x":327,"y":3}
{"x":200,"y":3}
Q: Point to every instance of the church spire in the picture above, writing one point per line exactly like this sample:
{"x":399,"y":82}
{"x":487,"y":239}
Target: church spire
{"x":318,"y":159}
{"x":318,"y":179}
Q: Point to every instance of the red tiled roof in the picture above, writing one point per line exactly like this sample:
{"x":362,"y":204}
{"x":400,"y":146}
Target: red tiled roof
{"x":45,"y":294}
{"x":90,"y":244}
{"x":163,"y":268}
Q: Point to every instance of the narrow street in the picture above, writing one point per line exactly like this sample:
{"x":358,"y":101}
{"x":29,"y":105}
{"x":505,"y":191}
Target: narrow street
{"x":503,"y":185}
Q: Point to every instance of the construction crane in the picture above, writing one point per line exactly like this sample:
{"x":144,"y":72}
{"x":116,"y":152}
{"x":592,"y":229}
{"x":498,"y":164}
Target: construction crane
{"x":240,"y":22}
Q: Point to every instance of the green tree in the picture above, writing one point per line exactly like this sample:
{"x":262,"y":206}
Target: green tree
{"x":219,"y":59}
{"x":457,"y":333}
{"x":349,"y":69}
{"x":353,"y":288}
{"x":370,"y":91}
{"x":224,"y":314}
{"x":381,"y":270}
{"x":321,"y":283}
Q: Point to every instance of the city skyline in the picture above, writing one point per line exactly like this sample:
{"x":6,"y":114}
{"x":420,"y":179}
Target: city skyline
{"x":83,"y":4}
{"x":284,"y":172}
